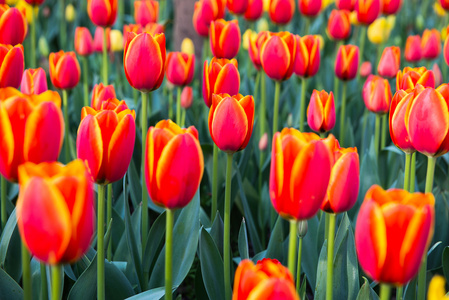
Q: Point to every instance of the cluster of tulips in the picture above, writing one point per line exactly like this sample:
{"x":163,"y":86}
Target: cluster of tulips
{"x":309,"y":175}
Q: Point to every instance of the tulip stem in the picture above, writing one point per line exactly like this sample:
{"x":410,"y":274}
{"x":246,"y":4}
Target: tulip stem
{"x":100,"y":243}
{"x":362,"y":46}
{"x":413,"y":173}
{"x":178,"y":106}
{"x":4,"y":216}
{"x":376,"y":135}
{"x":342,"y":113}
{"x":183,"y":118}
{"x":144,"y":189}
{"x":109,"y":218}
{"x":105,"y":56}
{"x":330,"y":256}
{"x":170,"y":104}
{"x":261,"y":78}
{"x":302,"y":115}
{"x":56,"y":274}
{"x":227,"y":230}
{"x":423,"y":269}
{"x":136,"y":97}
{"x":44,"y":288}
{"x":292,"y":246}
{"x":399,"y":292}
{"x":26,"y":273}
{"x":385,"y":291}
{"x":67,"y":125}
{"x":277,"y":92}
{"x":121,"y":13}
{"x":298,"y":269}
{"x":168,"y":254}
{"x":214,"y":183}
{"x":63,"y":28}
{"x":33,"y":38}
{"x":408,"y":159}
{"x":384,"y":132}
{"x":86,"y":80}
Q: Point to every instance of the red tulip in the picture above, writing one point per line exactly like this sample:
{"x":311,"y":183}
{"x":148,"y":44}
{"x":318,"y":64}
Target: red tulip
{"x":154,"y":28}
{"x":102,"y":12}
{"x":321,"y":111}
{"x":410,"y":77}
{"x":101,"y":93}
{"x":278,"y":55}
{"x":231,"y":121}
{"x":377,"y":94}
{"x":254,"y":10}
{"x":309,"y":8}
{"x":438,"y":76}
{"x":237,"y":7}
{"x":346,"y":4}
{"x":11,"y":65}
{"x":13,"y":25}
{"x":146,"y":11}
{"x":174,"y":164}
{"x":179,"y":68}
{"x":224,"y":38}
{"x":34,"y":2}
{"x":339,"y":25}
{"x":390,"y":61}
{"x":98,"y":39}
{"x":307,"y":61}
{"x":445,"y":4}
{"x":144,"y":61}
{"x":347,"y":62}
{"x":255,"y":47}
{"x":281,"y":11}
{"x":187,"y":97}
{"x":431,"y":44}
{"x":205,"y":12}
{"x":413,"y":50}
{"x":391,"y":7}
{"x":34,"y":81}
{"x":65,"y":70}
{"x":366,"y":69}
{"x":55,"y":205}
{"x":84,"y":44}
{"x":368,"y":10}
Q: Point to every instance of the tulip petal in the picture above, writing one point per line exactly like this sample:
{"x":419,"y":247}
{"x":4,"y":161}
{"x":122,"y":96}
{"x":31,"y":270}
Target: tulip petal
{"x":275,"y":58}
{"x":12,"y":67}
{"x":89,"y":144}
{"x":274,"y":288}
{"x":6,"y":143}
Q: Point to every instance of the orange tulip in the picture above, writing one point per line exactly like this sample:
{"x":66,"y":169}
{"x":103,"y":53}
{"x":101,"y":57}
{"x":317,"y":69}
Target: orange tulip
{"x":321,"y":111}
{"x":413,"y":50}
{"x":255,"y":47}
{"x":278,"y":55}
{"x":224,"y":38}
{"x":83,"y":41}
{"x":309,"y":8}
{"x":300,"y":171}
{"x":32,"y":129}
{"x":377,"y":94}
{"x":13,"y":25}
{"x":105,"y":140}
{"x":410,"y":77}
{"x":281,"y":11}
{"x":347,"y":62}
{"x":339,"y":24}
{"x":144,"y":61}
{"x":220,"y":76}
{"x":187,"y":97}
{"x":102,"y":12}
{"x":390,"y":61}
{"x":34,"y":81}
{"x":268,"y":279}
{"x":431,"y":44}
{"x":254,"y":10}
{"x":174,"y":164}
{"x":231,"y":121}
{"x":65,"y":70}
{"x":205,"y":11}
{"x":393,"y":232}
{"x":98,"y":39}
{"x":391,"y":7}
{"x":237,"y":7}
{"x":11,"y":65}
{"x":55,"y":205}
{"x":101,"y":93}
{"x":179,"y":68}
{"x":346,"y":4}
{"x":343,"y":188}
{"x":307,"y":61}
{"x":368,"y":10}
{"x":146,"y":11}
{"x":445,"y":4}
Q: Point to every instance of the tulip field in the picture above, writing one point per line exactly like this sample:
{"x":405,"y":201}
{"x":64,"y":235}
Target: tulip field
{"x":224,"y":149}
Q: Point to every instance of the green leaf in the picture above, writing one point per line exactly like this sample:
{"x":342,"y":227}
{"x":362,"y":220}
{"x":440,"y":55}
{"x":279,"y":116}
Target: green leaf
{"x":275,"y":245}
{"x":320,"y":287}
{"x":9,"y":289}
{"x":153,"y":294}
{"x":216,"y":232}
{"x":309,"y":250}
{"x":155,"y":243}
{"x":243,"y":241}
{"x":446,"y":262}
{"x":366,"y":292}
{"x":10,"y":247}
{"x":303,"y":288}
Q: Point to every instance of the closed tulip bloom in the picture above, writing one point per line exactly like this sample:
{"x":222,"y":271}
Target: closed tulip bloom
{"x":366,"y":69}
{"x":281,"y":11}
{"x":309,"y":8}
{"x":437,"y":288}
{"x":410,"y":77}
{"x":237,"y":7}
{"x":300,"y":172}
{"x":117,"y":42}
{"x":379,"y":31}
{"x":307,"y":61}
{"x":343,"y":188}
{"x":65,"y":70}
{"x":347,"y":62}
{"x":220,"y":76}
{"x":11,"y":65}
{"x":31,"y":127}
{"x":278,"y":55}
{"x":390,"y":61}
{"x":101,"y":93}
{"x":427,"y":121}
{"x":431,"y":44}
{"x":268,"y":279}
{"x":368,"y":10}
{"x":34,"y":81}
{"x":144,"y":61}
{"x":98,"y":39}
{"x":146,"y":11}
{"x":445,"y":4}
{"x":438,"y":75}
{"x":13,"y":25}
{"x":321,"y":111}
{"x":174,"y":164}
{"x":255,"y":47}
{"x":102,"y":12}
{"x":339,"y":25}
{"x":391,"y":7}
{"x":84,"y":44}
{"x":231,"y":121}
{"x":56,"y":205}
{"x":393,"y":232}
{"x":34,"y":2}
{"x":187,"y":97}
{"x":224,"y":38}
{"x":179,"y":68}
{"x":413,"y":52}
{"x":377,"y":94}
{"x":254,"y":10}
{"x":205,"y":11}
{"x":345,"y":4}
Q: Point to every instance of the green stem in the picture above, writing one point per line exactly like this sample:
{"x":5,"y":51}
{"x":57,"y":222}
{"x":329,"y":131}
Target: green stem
{"x":33,"y":38}
{"x":330,"y":256}
{"x":408,"y":158}
{"x":178,"y":106}
{"x":376,"y":135}
{"x":384,"y":132}
{"x":44,"y":287}
{"x":56,"y":273}
{"x":214,"y":183}
{"x":136,"y":97}
{"x":170,"y":104}
{"x":105,"y":56}
{"x":336,"y":80}
{"x":399,"y":292}
{"x":67,"y":125}
{"x":307,"y":25}
{"x":292,"y":246}
{"x":262,"y":128}
{"x":364,"y":125}
{"x":183,"y":118}
{"x":362,"y":46}
{"x":121,"y":13}
{"x":277,"y":92}
{"x":227,"y":230}
{"x":413,"y":173}
{"x":26,"y":273}
{"x":298,"y":268}
{"x":168,"y":254}
{"x":385,"y":290}
{"x":302,"y":116}
{"x":143,"y":122}
{"x":4,"y":216}
{"x":85,"y":80}
{"x":342,"y":113}
{"x":63,"y":28}
{"x":100,"y":243}
{"x":326,"y":226}
{"x":108,"y":219}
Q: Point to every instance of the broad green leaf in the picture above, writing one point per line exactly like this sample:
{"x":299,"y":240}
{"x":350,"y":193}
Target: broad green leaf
{"x":10,"y":247}
{"x":155,"y":243}
{"x":445,"y":259}
{"x":320,"y":287}
{"x":216,"y":233}
{"x":9,"y":289}
{"x":309,"y":250}
{"x":243,"y":241}
{"x":366,"y":292}
{"x":275,"y":245}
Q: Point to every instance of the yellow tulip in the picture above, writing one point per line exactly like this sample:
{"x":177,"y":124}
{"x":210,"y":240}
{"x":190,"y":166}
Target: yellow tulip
{"x":247,"y":36}
{"x":439,"y":10}
{"x":116,"y":40}
{"x":437,"y":290}
{"x":379,"y":31}
{"x":262,"y":25}
{"x":70,"y":13}
{"x":28,"y":9}
{"x":187,"y":46}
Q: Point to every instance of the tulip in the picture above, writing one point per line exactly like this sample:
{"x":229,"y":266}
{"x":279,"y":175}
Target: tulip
{"x":278,"y":55}
{"x":65,"y":70}
{"x":438,"y":76}
{"x":187,"y":97}
{"x":116,"y":37}
{"x":254,"y":10}
{"x":309,"y":8}
{"x":70,"y":13}
{"x":379,"y":31}
{"x":187,"y":46}
{"x":413,"y":52}
{"x":346,"y":4}
{"x":263,"y":142}
{"x":220,"y":76}
{"x":34,"y":81}
{"x":268,"y":279}
{"x":144,"y":61}
{"x":445,"y":4}
{"x":366,"y":69}
{"x":11,"y":65}
{"x":307,"y":60}
{"x":35,"y":2}
{"x":179,"y":68}
{"x":224,"y":38}
{"x":339,"y":25}
{"x":377,"y":94}
{"x":13,"y":25}
{"x":321,"y":111}
{"x":281,"y":11}
{"x":154,"y":29}
{"x":146,"y":11}
{"x":393,"y":227}
{"x":437,"y":288}
{"x":102,"y":12}
{"x":101,"y":93}
{"x":390,"y":62}
{"x":431,"y":44}
{"x":410,"y":77}
{"x":136,"y":28}
{"x":205,"y":11}
{"x":347,"y":62}
{"x":237,"y":7}
{"x":255,"y":47}
{"x":98,"y":39}
{"x":83,"y":41}
{"x":247,"y":37}
{"x":391,"y":7}
{"x":367,"y":10}
{"x":32,"y":128}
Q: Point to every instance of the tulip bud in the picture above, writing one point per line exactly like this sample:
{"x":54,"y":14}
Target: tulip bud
{"x":366,"y":69}
{"x":347,"y":62}
{"x":413,"y":52}
{"x":262,"y":25}
{"x":390,"y":62}
{"x":254,"y":10}
{"x":377,"y":94}
{"x":290,"y":120}
{"x":237,"y":7}
{"x":205,"y":11}
{"x":339,"y":25}
{"x":307,"y":61}
{"x":13,"y":25}
{"x":187,"y":46}
{"x":99,"y":37}
{"x":116,"y":40}
{"x":43,"y":46}
{"x":65,"y":70}
{"x":309,"y":8}
{"x":102,"y":12}
{"x":445,"y":4}
{"x":263,"y":142}
{"x":278,"y":55}
{"x":438,"y":76}
{"x":431,"y":44}
{"x":146,"y":11}
{"x":345,"y":4}
{"x":221,"y":31}
{"x":255,"y":47}
{"x":368,"y":10}
{"x":179,"y":68}
{"x":398,"y":109}
{"x":321,"y":111}
{"x":70,"y":13}
{"x":281,"y":11}
{"x":34,"y":81}
{"x":187,"y":97}
{"x":391,"y":7}
{"x":11,"y":65}
{"x":379,"y":31}
{"x":83,"y":41}
{"x":101,"y":93}
{"x":303,"y":227}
